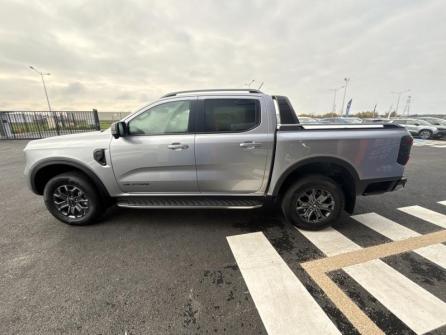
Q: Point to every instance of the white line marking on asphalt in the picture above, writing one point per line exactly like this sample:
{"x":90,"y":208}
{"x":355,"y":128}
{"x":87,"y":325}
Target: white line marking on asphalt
{"x":442,"y":202}
{"x":283,"y":303}
{"x":427,"y":143}
{"x":330,"y":241}
{"x":416,"y":307}
{"x":426,"y":215}
{"x":385,"y":226}
{"x":435,"y":253}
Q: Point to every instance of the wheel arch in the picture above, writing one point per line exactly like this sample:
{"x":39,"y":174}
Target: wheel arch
{"x":425,"y":129}
{"x":341,"y":171}
{"x":43,"y":171}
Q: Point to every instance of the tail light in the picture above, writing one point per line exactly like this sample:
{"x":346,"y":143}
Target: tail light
{"x":405,"y":147}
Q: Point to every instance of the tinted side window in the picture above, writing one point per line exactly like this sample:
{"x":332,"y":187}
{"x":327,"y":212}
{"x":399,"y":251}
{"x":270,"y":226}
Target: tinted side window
{"x":231,"y":115}
{"x":168,"y":118}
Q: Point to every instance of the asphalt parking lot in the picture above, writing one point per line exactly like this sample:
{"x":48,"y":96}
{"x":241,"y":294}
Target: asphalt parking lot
{"x":176,"y":271}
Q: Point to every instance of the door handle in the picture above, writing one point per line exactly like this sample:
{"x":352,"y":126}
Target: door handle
{"x":250,"y":145}
{"x":177,"y":146}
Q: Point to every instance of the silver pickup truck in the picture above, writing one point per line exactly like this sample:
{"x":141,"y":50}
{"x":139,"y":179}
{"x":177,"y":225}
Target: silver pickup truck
{"x":236,"y":149}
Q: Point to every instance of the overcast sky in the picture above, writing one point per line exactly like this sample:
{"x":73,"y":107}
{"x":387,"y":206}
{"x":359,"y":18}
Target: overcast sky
{"x":117,"y":55}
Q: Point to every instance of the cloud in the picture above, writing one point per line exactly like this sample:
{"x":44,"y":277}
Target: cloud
{"x":113,"y":55}
{"x":75,"y":88}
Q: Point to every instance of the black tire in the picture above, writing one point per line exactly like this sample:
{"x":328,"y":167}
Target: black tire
{"x":330,"y":208}
{"x":63,"y":190}
{"x":425,"y":134}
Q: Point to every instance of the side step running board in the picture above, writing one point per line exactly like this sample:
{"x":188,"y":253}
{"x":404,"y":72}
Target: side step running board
{"x":191,"y":202}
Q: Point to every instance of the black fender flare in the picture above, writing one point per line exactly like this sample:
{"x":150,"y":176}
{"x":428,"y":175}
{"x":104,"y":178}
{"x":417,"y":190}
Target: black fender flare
{"x":68,"y":162}
{"x":312,"y":160}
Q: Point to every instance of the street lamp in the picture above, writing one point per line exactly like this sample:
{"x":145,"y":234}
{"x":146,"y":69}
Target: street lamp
{"x":43,"y":82}
{"x":335,"y":91}
{"x":398,"y":93}
{"x":345,"y":92}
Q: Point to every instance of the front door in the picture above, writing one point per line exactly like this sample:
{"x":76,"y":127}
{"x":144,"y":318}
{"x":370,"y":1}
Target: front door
{"x":157,"y":156}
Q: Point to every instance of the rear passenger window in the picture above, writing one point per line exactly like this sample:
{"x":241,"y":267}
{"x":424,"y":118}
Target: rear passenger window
{"x":231,"y":115}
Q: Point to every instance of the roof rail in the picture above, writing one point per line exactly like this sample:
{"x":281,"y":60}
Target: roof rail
{"x":249,"y":90}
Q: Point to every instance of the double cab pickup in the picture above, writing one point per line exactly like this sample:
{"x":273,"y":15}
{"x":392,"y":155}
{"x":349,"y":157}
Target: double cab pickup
{"x":221,"y":149}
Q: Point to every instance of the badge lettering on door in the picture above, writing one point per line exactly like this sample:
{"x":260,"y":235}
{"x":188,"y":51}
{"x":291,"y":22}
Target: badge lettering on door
{"x":136,"y":184}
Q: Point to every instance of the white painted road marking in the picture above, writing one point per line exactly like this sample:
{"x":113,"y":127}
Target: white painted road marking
{"x":429,"y":143}
{"x":426,"y":215}
{"x":442,"y":202}
{"x":416,"y":307}
{"x":385,"y":226}
{"x":330,"y":241}
{"x":283,"y":303}
{"x":435,"y":253}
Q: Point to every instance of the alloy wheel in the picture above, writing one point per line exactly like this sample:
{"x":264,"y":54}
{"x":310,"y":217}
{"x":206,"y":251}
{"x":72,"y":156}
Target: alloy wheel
{"x":425,"y":134}
{"x":315,"y":205}
{"x":71,"y":201}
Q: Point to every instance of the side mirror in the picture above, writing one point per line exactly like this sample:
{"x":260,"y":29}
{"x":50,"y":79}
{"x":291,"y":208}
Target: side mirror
{"x":417,"y":124}
{"x":119,"y":129}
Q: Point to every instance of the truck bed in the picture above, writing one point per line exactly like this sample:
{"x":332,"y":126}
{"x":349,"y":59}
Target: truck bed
{"x":369,"y":152}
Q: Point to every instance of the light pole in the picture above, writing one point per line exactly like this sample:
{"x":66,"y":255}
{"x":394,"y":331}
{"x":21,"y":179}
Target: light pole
{"x":399,"y":93}
{"x":335,"y":91}
{"x":345,"y":92}
{"x":43,"y":82}
{"x":406,"y":110}
{"x":374,"y":110}
{"x":389,"y":112}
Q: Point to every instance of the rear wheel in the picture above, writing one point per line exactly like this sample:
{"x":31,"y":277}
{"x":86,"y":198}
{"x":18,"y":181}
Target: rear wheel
{"x":72,"y":199}
{"x":313,"y":202}
{"x":425,"y":134}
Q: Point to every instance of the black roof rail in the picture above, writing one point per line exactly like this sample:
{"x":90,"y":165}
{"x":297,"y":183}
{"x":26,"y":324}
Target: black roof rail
{"x":249,"y":90}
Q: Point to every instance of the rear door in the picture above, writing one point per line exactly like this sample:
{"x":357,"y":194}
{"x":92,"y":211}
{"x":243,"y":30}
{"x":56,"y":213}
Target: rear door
{"x":157,"y":156}
{"x":232,"y":145}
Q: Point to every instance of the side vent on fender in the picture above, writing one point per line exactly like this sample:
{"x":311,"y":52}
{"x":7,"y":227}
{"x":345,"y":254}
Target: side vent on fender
{"x":99,"y":156}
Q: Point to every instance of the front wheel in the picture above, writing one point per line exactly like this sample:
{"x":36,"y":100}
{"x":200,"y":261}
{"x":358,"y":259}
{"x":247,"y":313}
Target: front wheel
{"x":313,"y":202}
{"x":72,"y":199}
{"x":425,"y":134}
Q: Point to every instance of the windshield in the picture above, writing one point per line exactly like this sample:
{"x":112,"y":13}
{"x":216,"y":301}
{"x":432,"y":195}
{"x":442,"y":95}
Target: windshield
{"x":422,"y":122}
{"x":436,"y":121}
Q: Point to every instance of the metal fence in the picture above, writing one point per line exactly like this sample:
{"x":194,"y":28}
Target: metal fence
{"x":31,"y":125}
